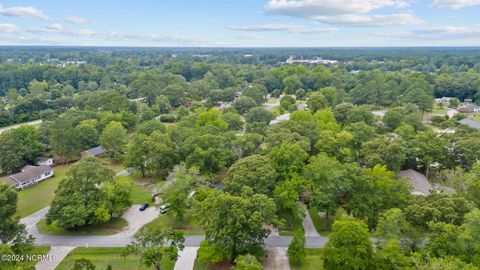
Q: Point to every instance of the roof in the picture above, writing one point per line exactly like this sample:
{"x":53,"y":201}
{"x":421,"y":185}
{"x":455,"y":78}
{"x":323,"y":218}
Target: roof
{"x":28,"y":173}
{"x":95,"y":151}
{"x":471,"y":123}
{"x":419,"y":183}
{"x":43,"y":159}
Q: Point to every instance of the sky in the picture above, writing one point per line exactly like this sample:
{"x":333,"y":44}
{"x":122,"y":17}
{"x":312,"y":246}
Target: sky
{"x":241,"y":23}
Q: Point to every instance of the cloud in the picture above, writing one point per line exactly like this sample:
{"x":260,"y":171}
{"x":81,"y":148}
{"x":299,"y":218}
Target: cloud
{"x":251,"y":36}
{"x":290,"y":28}
{"x":350,"y":12}
{"x":23,"y":12}
{"x":77,"y":20}
{"x":454,"y":4}
{"x":55,"y":27}
{"x":9,"y":28}
{"x":447,"y":33}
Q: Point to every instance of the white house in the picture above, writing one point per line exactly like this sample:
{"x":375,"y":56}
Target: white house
{"x":30,"y":175}
{"x":44,"y":161}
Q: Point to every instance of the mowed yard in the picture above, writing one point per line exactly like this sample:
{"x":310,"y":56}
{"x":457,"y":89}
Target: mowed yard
{"x":103,"y":257}
{"x":34,"y":198}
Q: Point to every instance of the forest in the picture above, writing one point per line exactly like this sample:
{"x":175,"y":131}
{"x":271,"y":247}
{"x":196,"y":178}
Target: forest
{"x":260,"y":142}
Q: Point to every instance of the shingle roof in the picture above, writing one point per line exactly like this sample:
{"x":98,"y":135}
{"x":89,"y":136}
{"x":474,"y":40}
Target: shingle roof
{"x":95,"y":151}
{"x":419,"y":183}
{"x":28,"y":173}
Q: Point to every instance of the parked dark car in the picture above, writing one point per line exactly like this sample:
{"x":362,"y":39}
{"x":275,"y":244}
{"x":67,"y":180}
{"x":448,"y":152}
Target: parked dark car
{"x":143,"y":207}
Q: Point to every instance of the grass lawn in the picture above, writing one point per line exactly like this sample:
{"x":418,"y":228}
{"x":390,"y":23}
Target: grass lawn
{"x":37,"y":250}
{"x":102,"y":257}
{"x":141,"y":192}
{"x":440,"y":111}
{"x":34,"y":198}
{"x":290,"y":224}
{"x":114,"y":226}
{"x":475,"y":116}
{"x":116,"y":166}
{"x":313,"y":261}
{"x":188,"y":226}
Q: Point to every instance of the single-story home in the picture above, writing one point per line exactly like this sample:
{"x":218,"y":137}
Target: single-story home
{"x":96,"y":151}
{"x":44,"y":161}
{"x":469,"y":122}
{"x":469,"y":109}
{"x":419,"y":182}
{"x":30,"y":175}
{"x":445,"y":100}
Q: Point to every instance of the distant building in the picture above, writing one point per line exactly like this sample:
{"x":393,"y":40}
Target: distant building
{"x":30,"y":175}
{"x":95,"y":152}
{"x":44,"y":161}
{"x":468,"y":101}
{"x":469,"y":122}
{"x":444,"y":100}
{"x":281,"y":118}
{"x":469,"y":108}
{"x":419,"y":183}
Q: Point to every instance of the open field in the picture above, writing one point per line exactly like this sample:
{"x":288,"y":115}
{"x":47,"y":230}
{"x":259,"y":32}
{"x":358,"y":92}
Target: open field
{"x":103,"y":257}
{"x":114,"y":226}
{"x":35,"y":123}
{"x":187,"y":225}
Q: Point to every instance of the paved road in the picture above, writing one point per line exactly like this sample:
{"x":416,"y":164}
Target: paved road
{"x":308,"y":226}
{"x":277,"y":259}
{"x":186,"y":258}
{"x":56,"y":256}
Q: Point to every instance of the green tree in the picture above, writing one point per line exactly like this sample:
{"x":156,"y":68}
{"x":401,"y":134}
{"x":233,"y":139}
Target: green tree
{"x":254,"y":171}
{"x":19,"y":146}
{"x":296,"y":248}
{"x":78,"y":200}
{"x":117,"y":195}
{"x":330,"y":93}
{"x":236,"y":224}
{"x":349,"y":246}
{"x":177,"y":194}
{"x":389,"y":151}
{"x":13,"y":236}
{"x":156,"y":246}
{"x":392,"y":224}
{"x":317,"y":101}
{"x":113,"y":139}
{"x":244,"y":104}
{"x":288,"y":159}
{"x":394,"y":117}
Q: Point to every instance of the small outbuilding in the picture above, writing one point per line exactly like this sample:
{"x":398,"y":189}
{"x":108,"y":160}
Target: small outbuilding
{"x":95,"y":152}
{"x":44,"y":161}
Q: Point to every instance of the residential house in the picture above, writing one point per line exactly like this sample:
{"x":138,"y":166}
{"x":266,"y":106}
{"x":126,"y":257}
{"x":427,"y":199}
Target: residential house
{"x":30,"y":175}
{"x":95,"y":152}
{"x":419,"y":182}
{"x":469,"y":109}
{"x":44,"y":161}
{"x":444,"y":100}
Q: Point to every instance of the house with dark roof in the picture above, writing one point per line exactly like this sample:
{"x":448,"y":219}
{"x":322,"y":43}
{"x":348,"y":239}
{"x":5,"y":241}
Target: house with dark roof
{"x":419,"y":182}
{"x":30,"y":175}
{"x":95,"y":152}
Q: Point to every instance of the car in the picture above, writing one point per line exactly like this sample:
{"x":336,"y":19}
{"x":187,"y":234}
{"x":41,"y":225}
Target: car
{"x":143,"y":207}
{"x":164,"y":208}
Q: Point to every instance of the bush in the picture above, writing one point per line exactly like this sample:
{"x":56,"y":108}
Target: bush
{"x":247,"y":262}
{"x":296,"y":249}
{"x":210,"y":254}
{"x":168,"y":118}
